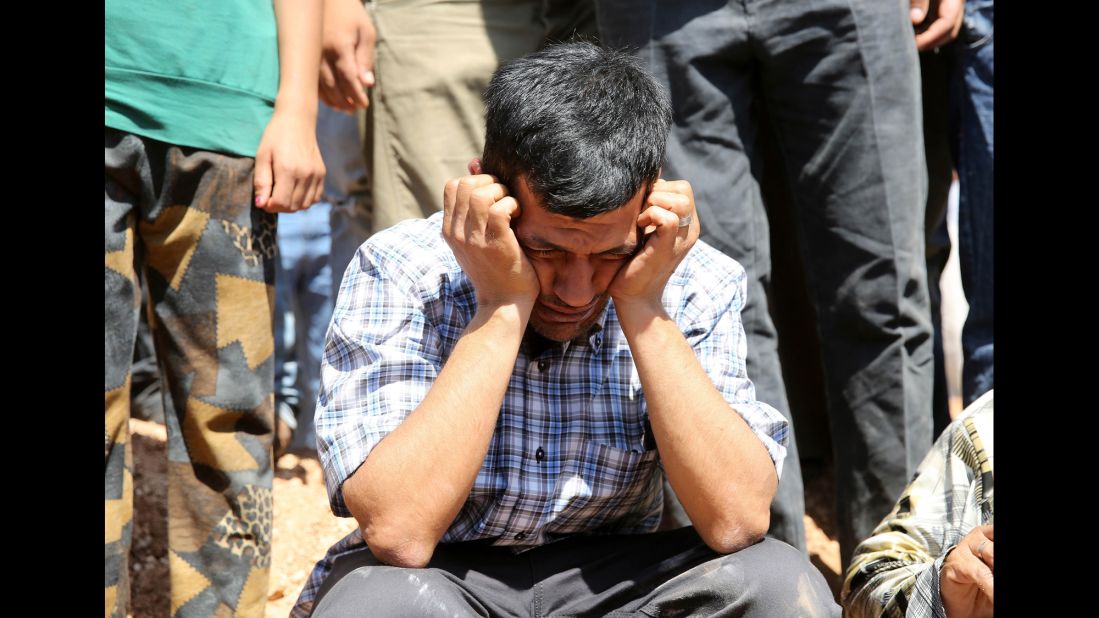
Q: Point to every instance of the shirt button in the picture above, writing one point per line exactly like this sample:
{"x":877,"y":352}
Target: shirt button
{"x":598,"y":340}
{"x":520,"y":536}
{"x":540,"y":454}
{"x":543,"y":364}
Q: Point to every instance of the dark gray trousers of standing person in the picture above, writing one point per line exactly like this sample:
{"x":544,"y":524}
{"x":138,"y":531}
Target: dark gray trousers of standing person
{"x":840,"y":82}
{"x":662,"y":574}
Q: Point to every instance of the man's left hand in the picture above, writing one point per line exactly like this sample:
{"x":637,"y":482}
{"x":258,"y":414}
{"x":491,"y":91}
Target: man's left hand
{"x":966,"y":578}
{"x":671,"y":218}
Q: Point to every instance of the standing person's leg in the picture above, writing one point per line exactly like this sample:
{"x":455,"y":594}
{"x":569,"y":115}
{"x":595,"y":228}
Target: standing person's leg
{"x":935,"y":73}
{"x":346,"y":187}
{"x":706,"y":65}
{"x":210,"y":269}
{"x":288,"y":395}
{"x":146,"y":400}
{"x":975,"y":219}
{"x":841,"y":82}
{"x":426,"y":119}
{"x":313,"y":309}
{"x":124,"y":189}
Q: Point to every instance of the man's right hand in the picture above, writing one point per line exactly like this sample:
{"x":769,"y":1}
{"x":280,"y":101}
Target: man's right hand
{"x":966,"y":578}
{"x":347,"y":55}
{"x":477,"y":215}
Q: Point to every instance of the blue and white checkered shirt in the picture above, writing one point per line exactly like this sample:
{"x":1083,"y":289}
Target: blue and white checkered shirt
{"x":572,"y":452}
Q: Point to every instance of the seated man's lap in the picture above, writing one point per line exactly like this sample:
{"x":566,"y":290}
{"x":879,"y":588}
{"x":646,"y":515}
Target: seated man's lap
{"x":655,"y":574}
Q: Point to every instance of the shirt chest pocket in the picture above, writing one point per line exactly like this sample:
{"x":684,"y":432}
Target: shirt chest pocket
{"x":606,"y":485}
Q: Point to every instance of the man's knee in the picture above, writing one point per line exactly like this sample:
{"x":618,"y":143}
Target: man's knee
{"x":779,"y":580}
{"x":393,"y":591}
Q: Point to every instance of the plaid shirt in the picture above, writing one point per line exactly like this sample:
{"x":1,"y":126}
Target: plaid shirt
{"x":573,"y":451}
{"x":895,"y":572}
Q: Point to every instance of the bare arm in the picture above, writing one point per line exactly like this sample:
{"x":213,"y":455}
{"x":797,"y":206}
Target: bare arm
{"x":719,"y":468}
{"x":289,"y":171}
{"x":414,"y":482}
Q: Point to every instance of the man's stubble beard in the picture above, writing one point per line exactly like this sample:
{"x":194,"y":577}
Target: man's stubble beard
{"x":562,"y":332}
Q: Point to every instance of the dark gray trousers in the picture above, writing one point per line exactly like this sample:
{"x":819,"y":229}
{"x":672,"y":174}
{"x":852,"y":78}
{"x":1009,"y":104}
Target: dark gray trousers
{"x":661,"y":574}
{"x":840,"y":82}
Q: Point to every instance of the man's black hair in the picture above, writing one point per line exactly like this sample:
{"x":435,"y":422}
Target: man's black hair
{"x":585,"y":126}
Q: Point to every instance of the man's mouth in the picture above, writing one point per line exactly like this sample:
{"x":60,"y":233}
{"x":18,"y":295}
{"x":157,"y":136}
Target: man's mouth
{"x":557,"y":313}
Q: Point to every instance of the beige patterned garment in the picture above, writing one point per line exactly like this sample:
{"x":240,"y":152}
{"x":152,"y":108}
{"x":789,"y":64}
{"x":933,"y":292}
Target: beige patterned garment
{"x":895,"y":572}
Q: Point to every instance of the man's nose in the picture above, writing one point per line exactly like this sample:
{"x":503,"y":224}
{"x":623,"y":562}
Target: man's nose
{"x":574,"y":285}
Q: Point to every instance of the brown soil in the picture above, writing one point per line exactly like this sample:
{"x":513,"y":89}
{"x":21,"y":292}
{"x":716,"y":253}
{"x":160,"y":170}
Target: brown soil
{"x":305,"y":528}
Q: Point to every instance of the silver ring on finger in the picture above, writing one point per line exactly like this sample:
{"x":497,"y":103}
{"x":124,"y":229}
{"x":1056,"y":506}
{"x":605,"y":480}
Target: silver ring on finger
{"x":685,"y":221}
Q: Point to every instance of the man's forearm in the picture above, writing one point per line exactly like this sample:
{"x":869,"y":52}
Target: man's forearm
{"x":414,"y":482}
{"x":719,"y":469}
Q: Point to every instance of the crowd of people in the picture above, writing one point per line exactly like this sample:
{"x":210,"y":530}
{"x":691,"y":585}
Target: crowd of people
{"x":505,"y":266}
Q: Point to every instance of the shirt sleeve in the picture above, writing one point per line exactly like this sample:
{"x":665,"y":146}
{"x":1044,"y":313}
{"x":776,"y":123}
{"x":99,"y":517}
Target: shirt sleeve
{"x":716,"y":334}
{"x":895,"y":572}
{"x":381,"y":356}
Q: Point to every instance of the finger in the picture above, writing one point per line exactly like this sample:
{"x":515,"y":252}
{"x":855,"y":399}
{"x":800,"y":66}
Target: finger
{"x":450,"y":195}
{"x":333,"y":97}
{"x":500,"y":215}
{"x":673,"y":202}
{"x":282,"y":190}
{"x":918,"y":11}
{"x":349,"y":77}
{"x":316,"y":192}
{"x":969,"y":570}
{"x":327,"y":100}
{"x":299,"y":196}
{"x":936,"y":35}
{"x":327,"y":82}
{"x":262,"y":179}
{"x":953,"y":11}
{"x":678,"y":187}
{"x":480,"y":201}
{"x":675,"y":186}
{"x":466,"y":186}
{"x":474,"y":166}
{"x":364,"y":59}
{"x":982,"y":547}
{"x":667,"y":226}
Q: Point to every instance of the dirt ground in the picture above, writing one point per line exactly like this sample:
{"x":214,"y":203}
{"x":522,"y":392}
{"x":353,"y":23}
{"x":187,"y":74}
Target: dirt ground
{"x":304,"y":527}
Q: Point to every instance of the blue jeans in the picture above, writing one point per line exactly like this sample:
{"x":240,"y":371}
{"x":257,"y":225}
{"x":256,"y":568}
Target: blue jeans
{"x":972,"y":130}
{"x":346,"y":188}
{"x":314,"y":247}
{"x":303,"y":287}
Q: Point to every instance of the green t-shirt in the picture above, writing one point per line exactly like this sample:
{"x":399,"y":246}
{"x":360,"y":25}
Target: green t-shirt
{"x":191,"y":73}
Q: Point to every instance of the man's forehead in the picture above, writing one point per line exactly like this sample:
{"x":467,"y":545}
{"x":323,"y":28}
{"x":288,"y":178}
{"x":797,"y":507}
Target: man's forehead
{"x":540,"y":228}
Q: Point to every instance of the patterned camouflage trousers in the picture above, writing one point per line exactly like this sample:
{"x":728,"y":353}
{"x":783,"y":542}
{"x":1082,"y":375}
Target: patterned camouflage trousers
{"x":185,"y":218}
